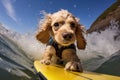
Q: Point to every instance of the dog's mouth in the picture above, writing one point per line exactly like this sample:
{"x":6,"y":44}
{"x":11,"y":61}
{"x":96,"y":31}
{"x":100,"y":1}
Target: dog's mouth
{"x":65,"y":42}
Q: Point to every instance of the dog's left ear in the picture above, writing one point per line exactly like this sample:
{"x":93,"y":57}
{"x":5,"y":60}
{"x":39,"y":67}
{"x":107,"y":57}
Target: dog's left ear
{"x":81,"y":42}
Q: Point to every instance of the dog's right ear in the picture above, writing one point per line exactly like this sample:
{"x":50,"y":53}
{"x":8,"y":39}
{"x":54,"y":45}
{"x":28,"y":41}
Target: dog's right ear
{"x":81,"y":42}
{"x":43,"y":34}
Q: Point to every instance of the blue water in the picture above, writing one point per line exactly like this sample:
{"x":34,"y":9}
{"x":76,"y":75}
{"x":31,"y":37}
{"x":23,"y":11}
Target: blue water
{"x":14,"y":64}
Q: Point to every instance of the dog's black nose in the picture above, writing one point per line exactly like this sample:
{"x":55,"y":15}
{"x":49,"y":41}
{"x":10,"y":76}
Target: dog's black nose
{"x":67,"y":35}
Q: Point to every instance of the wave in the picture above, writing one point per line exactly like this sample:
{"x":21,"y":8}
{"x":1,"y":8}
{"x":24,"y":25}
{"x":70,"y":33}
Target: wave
{"x":25,"y":48}
{"x":14,"y":64}
{"x":100,"y":46}
{"x":111,"y":66}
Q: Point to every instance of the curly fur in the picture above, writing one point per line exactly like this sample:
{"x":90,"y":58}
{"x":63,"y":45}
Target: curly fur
{"x":65,"y":29}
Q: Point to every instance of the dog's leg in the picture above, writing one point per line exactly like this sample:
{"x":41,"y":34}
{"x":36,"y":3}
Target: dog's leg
{"x":74,"y":65}
{"x":46,"y":59}
{"x":49,"y":52}
{"x":73,"y":62}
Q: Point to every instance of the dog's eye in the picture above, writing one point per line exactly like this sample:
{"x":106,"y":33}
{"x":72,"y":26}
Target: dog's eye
{"x":72,"y":24}
{"x":56,"y":24}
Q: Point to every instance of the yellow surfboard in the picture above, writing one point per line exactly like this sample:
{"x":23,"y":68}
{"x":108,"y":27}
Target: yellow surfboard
{"x":57,"y":72}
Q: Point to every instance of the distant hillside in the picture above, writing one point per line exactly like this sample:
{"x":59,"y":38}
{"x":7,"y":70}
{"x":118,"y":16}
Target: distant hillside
{"x":113,"y":12}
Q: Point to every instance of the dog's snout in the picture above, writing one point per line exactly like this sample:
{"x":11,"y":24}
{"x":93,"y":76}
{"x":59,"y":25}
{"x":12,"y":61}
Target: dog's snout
{"x":67,"y":35}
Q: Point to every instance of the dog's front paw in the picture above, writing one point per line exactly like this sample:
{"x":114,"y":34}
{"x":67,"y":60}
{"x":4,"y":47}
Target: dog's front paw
{"x":45,"y":61}
{"x":73,"y":66}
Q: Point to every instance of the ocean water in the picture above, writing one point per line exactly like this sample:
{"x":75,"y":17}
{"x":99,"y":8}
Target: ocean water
{"x":14,"y":63}
{"x":17,"y":53}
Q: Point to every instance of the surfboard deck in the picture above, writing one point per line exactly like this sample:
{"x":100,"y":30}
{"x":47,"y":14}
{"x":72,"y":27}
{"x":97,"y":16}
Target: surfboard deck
{"x":57,"y":72}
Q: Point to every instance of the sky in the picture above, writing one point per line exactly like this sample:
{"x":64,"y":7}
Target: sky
{"x":23,"y":15}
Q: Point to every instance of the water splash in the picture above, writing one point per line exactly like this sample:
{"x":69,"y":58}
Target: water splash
{"x":104,"y":41}
{"x":100,"y":46}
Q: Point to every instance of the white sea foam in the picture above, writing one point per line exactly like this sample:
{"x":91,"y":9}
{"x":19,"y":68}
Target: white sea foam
{"x":31,"y":46}
{"x":104,"y":42}
{"x":100,"y":46}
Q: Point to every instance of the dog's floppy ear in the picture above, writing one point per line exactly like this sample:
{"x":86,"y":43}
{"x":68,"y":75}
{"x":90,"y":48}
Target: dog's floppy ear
{"x":43,"y":34}
{"x":81,"y":42}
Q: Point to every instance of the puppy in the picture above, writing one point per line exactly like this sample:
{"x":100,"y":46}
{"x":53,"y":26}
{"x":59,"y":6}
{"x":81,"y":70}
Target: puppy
{"x":60,"y":31}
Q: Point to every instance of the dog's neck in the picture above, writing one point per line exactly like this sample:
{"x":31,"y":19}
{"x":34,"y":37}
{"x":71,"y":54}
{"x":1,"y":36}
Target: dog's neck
{"x":59,"y":48}
{"x":59,"y":45}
